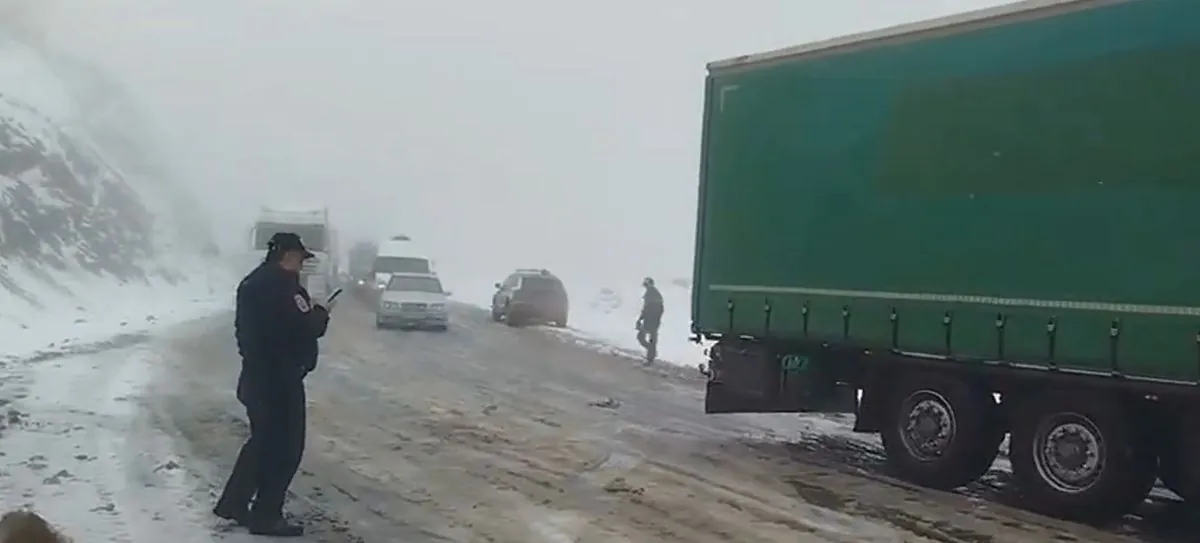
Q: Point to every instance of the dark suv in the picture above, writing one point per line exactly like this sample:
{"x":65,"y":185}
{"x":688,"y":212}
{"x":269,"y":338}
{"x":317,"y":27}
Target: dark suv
{"x":530,"y":296}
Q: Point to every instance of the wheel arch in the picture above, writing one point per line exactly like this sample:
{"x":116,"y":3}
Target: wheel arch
{"x":878,"y":384}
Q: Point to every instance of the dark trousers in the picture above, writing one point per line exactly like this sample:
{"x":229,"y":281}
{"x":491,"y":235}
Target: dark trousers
{"x":268,"y":460}
{"x":648,"y":338}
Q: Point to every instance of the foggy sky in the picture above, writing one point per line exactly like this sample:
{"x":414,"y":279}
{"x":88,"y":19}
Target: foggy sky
{"x":499,"y":134}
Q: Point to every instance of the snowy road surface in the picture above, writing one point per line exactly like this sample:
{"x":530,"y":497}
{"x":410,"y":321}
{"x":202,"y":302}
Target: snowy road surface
{"x":481,"y":434}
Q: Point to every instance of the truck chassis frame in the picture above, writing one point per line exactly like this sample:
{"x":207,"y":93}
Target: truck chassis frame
{"x":1075,"y":450}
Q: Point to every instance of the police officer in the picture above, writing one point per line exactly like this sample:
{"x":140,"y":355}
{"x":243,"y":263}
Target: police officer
{"x":277,"y":327}
{"x":650,"y":319}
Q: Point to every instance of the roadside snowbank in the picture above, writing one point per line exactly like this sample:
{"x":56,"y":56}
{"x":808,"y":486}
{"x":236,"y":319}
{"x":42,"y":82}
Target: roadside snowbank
{"x":608,"y":315}
{"x":71,"y":311}
{"x":81,"y":450}
{"x":603,"y":315}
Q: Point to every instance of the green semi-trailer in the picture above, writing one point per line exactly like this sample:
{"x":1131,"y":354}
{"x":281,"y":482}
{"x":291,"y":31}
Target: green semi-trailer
{"x":1002,"y":203}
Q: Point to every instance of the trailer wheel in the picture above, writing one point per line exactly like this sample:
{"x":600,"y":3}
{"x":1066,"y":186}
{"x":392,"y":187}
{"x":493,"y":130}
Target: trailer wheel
{"x":1077,"y":456}
{"x":941,"y":432}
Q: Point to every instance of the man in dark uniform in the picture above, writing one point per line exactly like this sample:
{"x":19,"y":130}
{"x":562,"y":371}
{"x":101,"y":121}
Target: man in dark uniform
{"x":277,"y":327}
{"x":650,"y":319}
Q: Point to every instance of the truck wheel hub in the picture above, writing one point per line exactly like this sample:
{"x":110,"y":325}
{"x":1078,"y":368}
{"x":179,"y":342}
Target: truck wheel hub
{"x":929,"y":427}
{"x":1070,"y":456}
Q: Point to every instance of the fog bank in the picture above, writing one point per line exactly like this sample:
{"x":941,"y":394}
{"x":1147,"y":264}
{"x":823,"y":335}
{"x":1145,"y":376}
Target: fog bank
{"x":501,"y":134}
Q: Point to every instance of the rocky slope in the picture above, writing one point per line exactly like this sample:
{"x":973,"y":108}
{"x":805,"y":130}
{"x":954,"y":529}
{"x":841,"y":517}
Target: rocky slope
{"x":82,"y":198}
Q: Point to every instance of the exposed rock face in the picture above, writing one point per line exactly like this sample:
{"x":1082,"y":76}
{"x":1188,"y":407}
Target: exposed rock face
{"x":81,"y":186}
{"x":62,"y":205}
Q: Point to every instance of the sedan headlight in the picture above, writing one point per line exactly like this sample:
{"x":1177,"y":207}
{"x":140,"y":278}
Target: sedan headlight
{"x":437,"y":307}
{"x":390,"y":305}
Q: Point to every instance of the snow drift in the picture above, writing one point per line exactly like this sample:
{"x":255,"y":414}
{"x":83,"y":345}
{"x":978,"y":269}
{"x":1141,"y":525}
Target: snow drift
{"x":91,"y":227}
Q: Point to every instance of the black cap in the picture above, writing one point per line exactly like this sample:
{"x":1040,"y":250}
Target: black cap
{"x":283,"y":242}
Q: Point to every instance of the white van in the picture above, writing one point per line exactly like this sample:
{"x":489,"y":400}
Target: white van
{"x":399,"y":255}
{"x":413,"y":300}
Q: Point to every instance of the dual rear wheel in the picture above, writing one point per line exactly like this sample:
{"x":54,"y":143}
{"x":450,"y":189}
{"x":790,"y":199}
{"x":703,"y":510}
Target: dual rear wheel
{"x":1073,"y":455}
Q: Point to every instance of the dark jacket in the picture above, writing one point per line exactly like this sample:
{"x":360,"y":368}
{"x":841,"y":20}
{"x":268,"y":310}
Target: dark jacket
{"x":652,"y":306}
{"x":277,"y":327}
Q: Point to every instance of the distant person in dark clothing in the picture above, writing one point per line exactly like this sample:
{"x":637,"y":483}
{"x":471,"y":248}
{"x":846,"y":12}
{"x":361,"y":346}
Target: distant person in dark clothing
{"x":650,"y":319}
{"x":277,"y":327}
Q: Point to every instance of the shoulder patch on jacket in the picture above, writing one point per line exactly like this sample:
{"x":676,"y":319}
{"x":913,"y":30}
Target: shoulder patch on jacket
{"x":301,"y":303}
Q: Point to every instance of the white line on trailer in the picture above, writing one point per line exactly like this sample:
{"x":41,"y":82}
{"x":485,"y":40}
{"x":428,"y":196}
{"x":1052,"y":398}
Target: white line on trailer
{"x":1109,"y":307}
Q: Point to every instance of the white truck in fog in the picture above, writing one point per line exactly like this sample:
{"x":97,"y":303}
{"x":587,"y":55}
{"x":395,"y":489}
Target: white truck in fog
{"x":399,"y":254}
{"x":320,"y":274}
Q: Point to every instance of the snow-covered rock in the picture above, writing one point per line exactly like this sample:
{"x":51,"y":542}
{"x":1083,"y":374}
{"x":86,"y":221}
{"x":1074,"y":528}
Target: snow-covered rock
{"x":93,"y":231}
{"x":61,"y":205}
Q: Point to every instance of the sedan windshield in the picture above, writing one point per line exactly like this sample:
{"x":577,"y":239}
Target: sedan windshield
{"x":415,"y":284}
{"x":400,"y":264}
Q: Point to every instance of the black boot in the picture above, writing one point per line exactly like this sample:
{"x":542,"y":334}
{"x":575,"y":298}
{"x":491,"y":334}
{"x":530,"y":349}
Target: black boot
{"x":276,"y":528}
{"x":238,"y":515}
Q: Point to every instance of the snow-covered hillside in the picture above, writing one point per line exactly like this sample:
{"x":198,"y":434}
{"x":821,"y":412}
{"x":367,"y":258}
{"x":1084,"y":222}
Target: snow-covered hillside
{"x":93,"y":239}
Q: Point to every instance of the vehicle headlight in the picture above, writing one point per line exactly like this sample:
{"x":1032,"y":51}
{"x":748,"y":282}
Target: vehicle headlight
{"x":437,"y":307}
{"x":391,"y":305}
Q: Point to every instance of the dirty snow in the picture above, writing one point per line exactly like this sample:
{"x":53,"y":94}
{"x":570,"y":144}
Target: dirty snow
{"x":75,"y":451}
{"x":80,"y":450}
{"x":602,"y":319}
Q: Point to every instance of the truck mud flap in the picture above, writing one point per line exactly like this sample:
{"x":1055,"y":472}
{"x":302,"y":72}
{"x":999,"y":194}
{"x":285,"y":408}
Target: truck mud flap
{"x":753,"y":377}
